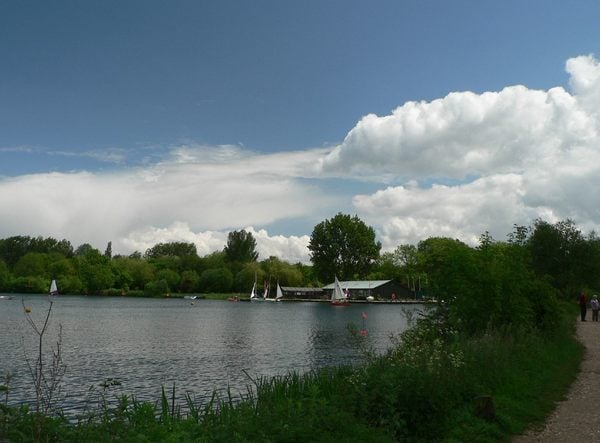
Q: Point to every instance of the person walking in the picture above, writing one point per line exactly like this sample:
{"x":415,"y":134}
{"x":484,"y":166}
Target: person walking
{"x":583,"y":305}
{"x":595,"y":304}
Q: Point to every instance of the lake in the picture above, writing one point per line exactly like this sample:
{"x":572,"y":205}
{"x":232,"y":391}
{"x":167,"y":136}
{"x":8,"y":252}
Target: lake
{"x":200,"y":346}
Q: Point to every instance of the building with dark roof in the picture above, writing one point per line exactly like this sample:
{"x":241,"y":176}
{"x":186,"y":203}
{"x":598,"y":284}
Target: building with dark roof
{"x":292,"y":292}
{"x":378,"y":289}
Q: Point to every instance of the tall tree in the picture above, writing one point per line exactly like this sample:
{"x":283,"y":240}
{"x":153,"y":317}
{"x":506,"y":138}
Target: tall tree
{"x":108,"y":251}
{"x":560,"y":252}
{"x":174,"y":249}
{"x":241,"y":247}
{"x":343,"y":246}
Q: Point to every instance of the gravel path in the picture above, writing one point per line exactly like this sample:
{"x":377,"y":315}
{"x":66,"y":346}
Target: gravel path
{"x":577,"y":418}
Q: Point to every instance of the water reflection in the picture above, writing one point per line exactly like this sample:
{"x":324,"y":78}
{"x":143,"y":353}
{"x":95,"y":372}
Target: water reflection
{"x":146,"y":343}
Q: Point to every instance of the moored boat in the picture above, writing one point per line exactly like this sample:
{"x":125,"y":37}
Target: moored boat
{"x":338,"y":297}
{"x":53,"y":288}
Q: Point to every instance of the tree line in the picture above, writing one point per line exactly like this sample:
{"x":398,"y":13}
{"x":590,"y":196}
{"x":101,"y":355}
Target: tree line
{"x":555,"y":254}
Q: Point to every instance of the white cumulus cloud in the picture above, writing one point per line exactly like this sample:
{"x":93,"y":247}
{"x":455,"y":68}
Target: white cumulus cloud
{"x":514,"y":155}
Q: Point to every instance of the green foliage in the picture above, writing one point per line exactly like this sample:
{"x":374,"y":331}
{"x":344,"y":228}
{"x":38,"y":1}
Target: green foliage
{"x":158,"y":288}
{"x":241,"y":247}
{"x":244,"y":279}
{"x":173,"y":249}
{"x":214,"y":260}
{"x":32,"y":264}
{"x":13,"y":248}
{"x":285,"y":273}
{"x":61,"y":268}
{"x":71,"y":284}
{"x":561,"y":254}
{"x":135,"y":273}
{"x":216,"y":280}
{"x":189,"y":281}
{"x":95,"y":271}
{"x":30,"y":285}
{"x":85,"y":249}
{"x":171,"y":277}
{"x":108,"y":251}
{"x":5,"y":276}
{"x":343,"y":246}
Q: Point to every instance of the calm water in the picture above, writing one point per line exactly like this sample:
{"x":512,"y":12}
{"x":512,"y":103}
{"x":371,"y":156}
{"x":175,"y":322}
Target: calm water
{"x":207,"y":345}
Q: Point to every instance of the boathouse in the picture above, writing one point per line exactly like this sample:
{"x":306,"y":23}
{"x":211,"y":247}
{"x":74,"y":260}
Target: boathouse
{"x":291,"y":292}
{"x":378,"y":289}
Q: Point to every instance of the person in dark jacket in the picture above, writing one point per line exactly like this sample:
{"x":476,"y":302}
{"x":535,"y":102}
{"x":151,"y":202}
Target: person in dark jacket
{"x":583,"y":305}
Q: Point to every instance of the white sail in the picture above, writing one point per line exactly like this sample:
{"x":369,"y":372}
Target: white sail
{"x":253,"y":293}
{"x":53,"y":288}
{"x":279,"y":295}
{"x":338,"y":292}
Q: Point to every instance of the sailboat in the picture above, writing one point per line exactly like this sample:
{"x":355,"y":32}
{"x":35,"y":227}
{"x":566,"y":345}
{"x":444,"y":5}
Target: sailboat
{"x":279,"y":295}
{"x":338,"y":297}
{"x":53,"y":288}
{"x":253,"y":295}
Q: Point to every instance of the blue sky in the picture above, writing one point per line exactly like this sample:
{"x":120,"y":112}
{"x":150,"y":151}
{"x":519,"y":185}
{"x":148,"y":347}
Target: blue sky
{"x":95,"y":95}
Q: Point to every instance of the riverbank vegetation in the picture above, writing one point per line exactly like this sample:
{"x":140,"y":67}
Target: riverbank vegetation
{"x":493,"y":357}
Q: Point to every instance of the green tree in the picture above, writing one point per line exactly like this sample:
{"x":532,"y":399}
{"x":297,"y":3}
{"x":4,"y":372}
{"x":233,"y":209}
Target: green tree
{"x":95,"y":271}
{"x":216,"y":280}
{"x":108,"y":251}
{"x":5,"y":276}
{"x":189,"y":281}
{"x":156,"y":288}
{"x":32,"y":264}
{"x":212,"y":261}
{"x":560,"y":253}
{"x":344,"y":246}
{"x":134,"y":272}
{"x":61,"y":268}
{"x":241,"y":247}
{"x":171,"y":277}
{"x":175,"y":249}
{"x":451,"y":268}
{"x":245,"y":278}
{"x":30,"y":285}
{"x":84,"y":249}
{"x":13,"y":248}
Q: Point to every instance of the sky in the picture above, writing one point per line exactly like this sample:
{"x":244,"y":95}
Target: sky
{"x":140,"y":122}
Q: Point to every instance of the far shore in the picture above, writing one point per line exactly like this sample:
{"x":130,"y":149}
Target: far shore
{"x":230,"y":297}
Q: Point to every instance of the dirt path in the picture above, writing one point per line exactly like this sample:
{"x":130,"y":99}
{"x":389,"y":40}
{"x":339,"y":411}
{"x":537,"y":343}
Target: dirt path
{"x":577,"y":418}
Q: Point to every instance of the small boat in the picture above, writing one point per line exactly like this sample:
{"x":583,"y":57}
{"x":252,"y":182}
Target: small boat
{"x":190,"y":297}
{"x":253,"y":295}
{"x":370,"y":298}
{"x":236,"y":298}
{"x":6,"y":297}
{"x":279,"y":294}
{"x":338,"y":297}
{"x":53,"y":288}
{"x":266,"y":292}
